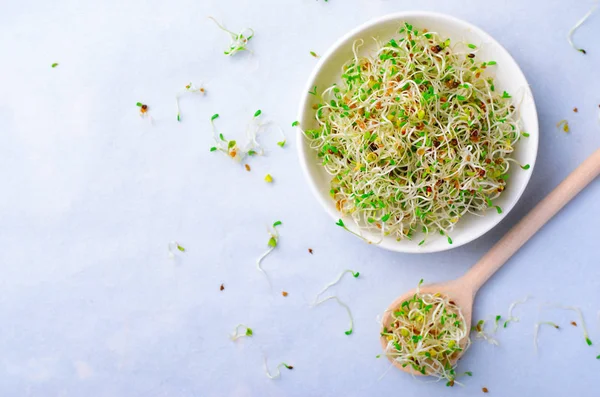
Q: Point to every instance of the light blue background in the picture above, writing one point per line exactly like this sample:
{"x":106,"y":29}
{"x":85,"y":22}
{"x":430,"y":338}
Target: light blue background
{"x":90,"y":303}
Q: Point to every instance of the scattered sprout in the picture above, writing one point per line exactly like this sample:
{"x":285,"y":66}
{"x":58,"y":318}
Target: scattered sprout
{"x":510,"y":317}
{"x":54,"y":65}
{"x":564,"y":124}
{"x":189,"y":88}
{"x":239,"y":41}
{"x":231,"y":147}
{"x":271,"y":243}
{"x":577,"y":25}
{"x":268,"y":178}
{"x":236,"y":334}
{"x":277,"y":369}
{"x":394,"y":173}
{"x":497,"y":322}
{"x":345,"y":306}
{"x":341,"y":224}
{"x":172,"y":246}
{"x":480,"y":333}
{"x":428,"y":333}
{"x":337,"y":280}
{"x":577,"y":310}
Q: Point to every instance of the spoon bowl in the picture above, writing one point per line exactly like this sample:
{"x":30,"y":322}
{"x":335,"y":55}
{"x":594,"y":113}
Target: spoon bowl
{"x":456,"y":293}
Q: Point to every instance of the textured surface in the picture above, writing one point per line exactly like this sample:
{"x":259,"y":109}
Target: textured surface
{"x":91,"y":304}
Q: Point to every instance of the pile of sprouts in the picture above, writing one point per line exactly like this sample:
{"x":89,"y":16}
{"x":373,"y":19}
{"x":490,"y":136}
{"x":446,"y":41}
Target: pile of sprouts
{"x":415,"y":136}
{"x":428,"y":333}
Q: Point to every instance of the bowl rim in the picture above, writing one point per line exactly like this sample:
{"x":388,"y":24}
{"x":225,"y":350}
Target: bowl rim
{"x":300,"y":138}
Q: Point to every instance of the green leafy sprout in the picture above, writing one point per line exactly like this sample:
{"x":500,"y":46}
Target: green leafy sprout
{"x":271,"y":243}
{"x":239,"y":41}
{"x":237,"y":334}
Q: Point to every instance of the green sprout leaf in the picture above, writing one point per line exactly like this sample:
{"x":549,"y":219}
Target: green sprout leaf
{"x":355,"y":274}
{"x":139,"y":104}
{"x":314,"y":54}
{"x":212,"y":149}
{"x":268,"y":178}
{"x":251,"y":152}
{"x":526,"y":166}
{"x":449,"y":240}
{"x":230,"y":144}
{"x":249,"y":332}
{"x":180,"y":248}
{"x":349,"y":332}
{"x":588,"y":341}
{"x":272,"y":242}
{"x":277,"y":223}
{"x":257,"y":113}
{"x":54,"y":64}
{"x":214,"y":117}
{"x":221,"y":137}
{"x":473,"y":46}
{"x":295,"y":123}
{"x":340,"y":223}
{"x":506,"y":95}
{"x":314,"y":91}
{"x":491,"y":63}
{"x":281,"y":143}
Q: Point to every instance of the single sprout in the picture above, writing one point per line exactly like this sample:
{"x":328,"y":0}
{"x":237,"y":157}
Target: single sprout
{"x":272,"y":243}
{"x":428,"y":333}
{"x":277,"y":369}
{"x":172,"y":246}
{"x":497,"y":322}
{"x":341,"y":224}
{"x":577,"y":25}
{"x":314,"y":54}
{"x":536,"y":330}
{"x":564,"y":124}
{"x":239,"y":41}
{"x":345,"y":306}
{"x":54,"y":65}
{"x":188,"y":89}
{"x":236,"y":334}
{"x":334,"y":282}
{"x":510,"y":317}
{"x":268,"y":178}
{"x":414,"y":137}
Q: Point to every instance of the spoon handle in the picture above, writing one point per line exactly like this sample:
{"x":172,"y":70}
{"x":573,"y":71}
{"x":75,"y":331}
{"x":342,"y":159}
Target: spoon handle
{"x":530,"y":224}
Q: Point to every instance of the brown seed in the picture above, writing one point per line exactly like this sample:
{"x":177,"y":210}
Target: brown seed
{"x":222,"y":287}
{"x":471,"y":55}
{"x":487,"y":161}
{"x":484,"y":389}
{"x":247,"y":167}
{"x":482,"y":173}
{"x":290,"y":367}
{"x":310,"y":251}
{"x":451,"y":383}
{"x":144,"y":107}
{"x":202,"y":90}
{"x":573,"y":323}
{"x":575,"y":110}
{"x":315,"y":106}
{"x":284,"y":293}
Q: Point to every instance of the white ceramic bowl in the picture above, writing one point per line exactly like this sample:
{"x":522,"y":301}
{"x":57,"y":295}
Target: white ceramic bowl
{"x":508,"y":76}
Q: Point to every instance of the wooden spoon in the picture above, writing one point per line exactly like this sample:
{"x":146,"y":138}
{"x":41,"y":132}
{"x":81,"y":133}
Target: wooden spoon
{"x":462,"y":291}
